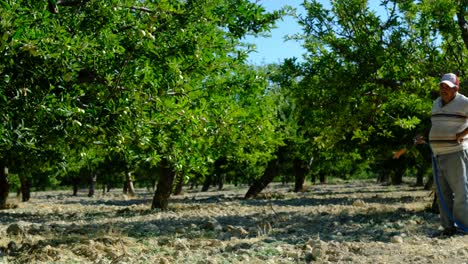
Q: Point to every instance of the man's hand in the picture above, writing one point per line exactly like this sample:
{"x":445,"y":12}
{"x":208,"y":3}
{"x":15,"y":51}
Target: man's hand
{"x":397,"y":154}
{"x":460,"y":136}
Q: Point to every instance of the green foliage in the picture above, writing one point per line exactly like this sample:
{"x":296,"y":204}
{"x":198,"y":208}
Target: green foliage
{"x":113,"y":86}
{"x":367,"y":85}
{"x":97,"y":85}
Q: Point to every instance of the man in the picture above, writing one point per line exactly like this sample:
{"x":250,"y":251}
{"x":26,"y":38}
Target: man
{"x":449,"y":143}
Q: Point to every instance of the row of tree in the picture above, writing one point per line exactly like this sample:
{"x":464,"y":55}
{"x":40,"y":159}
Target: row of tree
{"x":160,"y":91}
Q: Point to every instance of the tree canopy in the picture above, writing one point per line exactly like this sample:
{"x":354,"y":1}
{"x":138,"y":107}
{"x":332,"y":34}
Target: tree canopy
{"x":136,"y":88}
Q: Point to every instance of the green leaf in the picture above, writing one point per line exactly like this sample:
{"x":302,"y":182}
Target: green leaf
{"x":5,"y":4}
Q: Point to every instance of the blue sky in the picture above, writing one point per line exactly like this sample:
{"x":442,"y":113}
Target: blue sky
{"x":274,"y":49}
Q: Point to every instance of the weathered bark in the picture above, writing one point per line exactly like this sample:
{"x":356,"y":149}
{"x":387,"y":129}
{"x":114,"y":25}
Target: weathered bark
{"x":435,"y":204}
{"x":391,"y":171}
{"x":71,"y":2}
{"x":164,"y":187}
{"x":53,"y":5}
{"x":397,"y":176}
{"x":25,"y":188}
{"x":313,"y":178}
{"x":207,"y":183}
{"x":179,"y":184}
{"x":323,"y":178}
{"x":383,"y":178}
{"x":125,"y":187}
{"x":463,"y":25}
{"x":221,"y":179}
{"x":220,"y":171}
{"x":92,"y":184}
{"x":420,"y":177}
{"x":429,"y":184}
{"x":4,"y":185}
{"x":300,"y":172}
{"x":270,"y":173}
{"x":129,"y":183}
{"x":195,"y":181}
{"x":76,"y":185}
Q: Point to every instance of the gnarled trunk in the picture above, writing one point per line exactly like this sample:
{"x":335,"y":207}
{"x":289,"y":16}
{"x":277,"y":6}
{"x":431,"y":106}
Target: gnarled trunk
{"x":270,"y":173}
{"x":207,"y":182}
{"x":4,"y":185}
{"x":129,"y":183}
{"x":300,"y":172}
{"x":76,"y":185}
{"x":220,"y":171}
{"x":92,"y":184}
{"x":221,"y":179}
{"x":429,"y":184}
{"x":397,"y":176}
{"x":435,"y":204}
{"x":313,"y":178}
{"x":25,"y":188}
{"x":323,"y":178}
{"x":164,"y":187}
{"x":419,"y":179}
{"x":462,"y":23}
{"x":179,"y":184}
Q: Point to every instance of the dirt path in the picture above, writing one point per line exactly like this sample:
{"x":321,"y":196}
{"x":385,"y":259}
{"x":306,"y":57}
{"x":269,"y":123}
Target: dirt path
{"x":358,"y":222}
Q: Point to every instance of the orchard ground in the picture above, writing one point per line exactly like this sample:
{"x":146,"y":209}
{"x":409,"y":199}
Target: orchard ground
{"x":345,"y":222}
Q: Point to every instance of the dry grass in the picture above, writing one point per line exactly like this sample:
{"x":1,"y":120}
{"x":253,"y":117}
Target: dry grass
{"x":358,"y":222}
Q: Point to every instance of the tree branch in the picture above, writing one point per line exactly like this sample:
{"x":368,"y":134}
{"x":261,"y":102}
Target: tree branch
{"x":71,"y":2}
{"x":463,"y":24}
{"x":53,"y":5}
{"x":142,"y":8}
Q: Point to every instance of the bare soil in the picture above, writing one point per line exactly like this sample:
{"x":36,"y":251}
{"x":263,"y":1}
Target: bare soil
{"x":357,"y":222}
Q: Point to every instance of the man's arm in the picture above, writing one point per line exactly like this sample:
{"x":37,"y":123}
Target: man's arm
{"x":460,"y":136}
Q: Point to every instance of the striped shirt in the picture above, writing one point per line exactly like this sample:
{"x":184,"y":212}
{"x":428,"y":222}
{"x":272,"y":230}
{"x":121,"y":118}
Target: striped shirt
{"x":448,"y":120}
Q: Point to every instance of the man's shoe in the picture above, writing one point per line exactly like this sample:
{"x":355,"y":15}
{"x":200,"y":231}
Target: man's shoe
{"x":447,"y":232}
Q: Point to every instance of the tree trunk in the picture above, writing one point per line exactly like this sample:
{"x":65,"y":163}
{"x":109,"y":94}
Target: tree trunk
{"x":420,"y":177}
{"x":221,"y":179}
{"x":220,"y":171}
{"x":4,"y":185}
{"x":299,"y":173}
{"x":76,"y":185}
{"x":164,"y":187}
{"x":383,"y":177}
{"x":397,"y":179}
{"x":179,"y":184}
{"x":435,"y":204}
{"x":207,"y":183}
{"x":125,"y":187}
{"x":397,"y":175}
{"x":313,"y":178}
{"x":129,"y":183}
{"x":92,"y":184}
{"x":25,"y":188}
{"x":463,"y":25}
{"x":323,"y":178}
{"x":270,"y":173}
{"x":429,"y":183}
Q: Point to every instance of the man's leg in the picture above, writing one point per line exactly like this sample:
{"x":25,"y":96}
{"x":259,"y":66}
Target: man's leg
{"x":459,"y":184}
{"x":446,"y":193}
